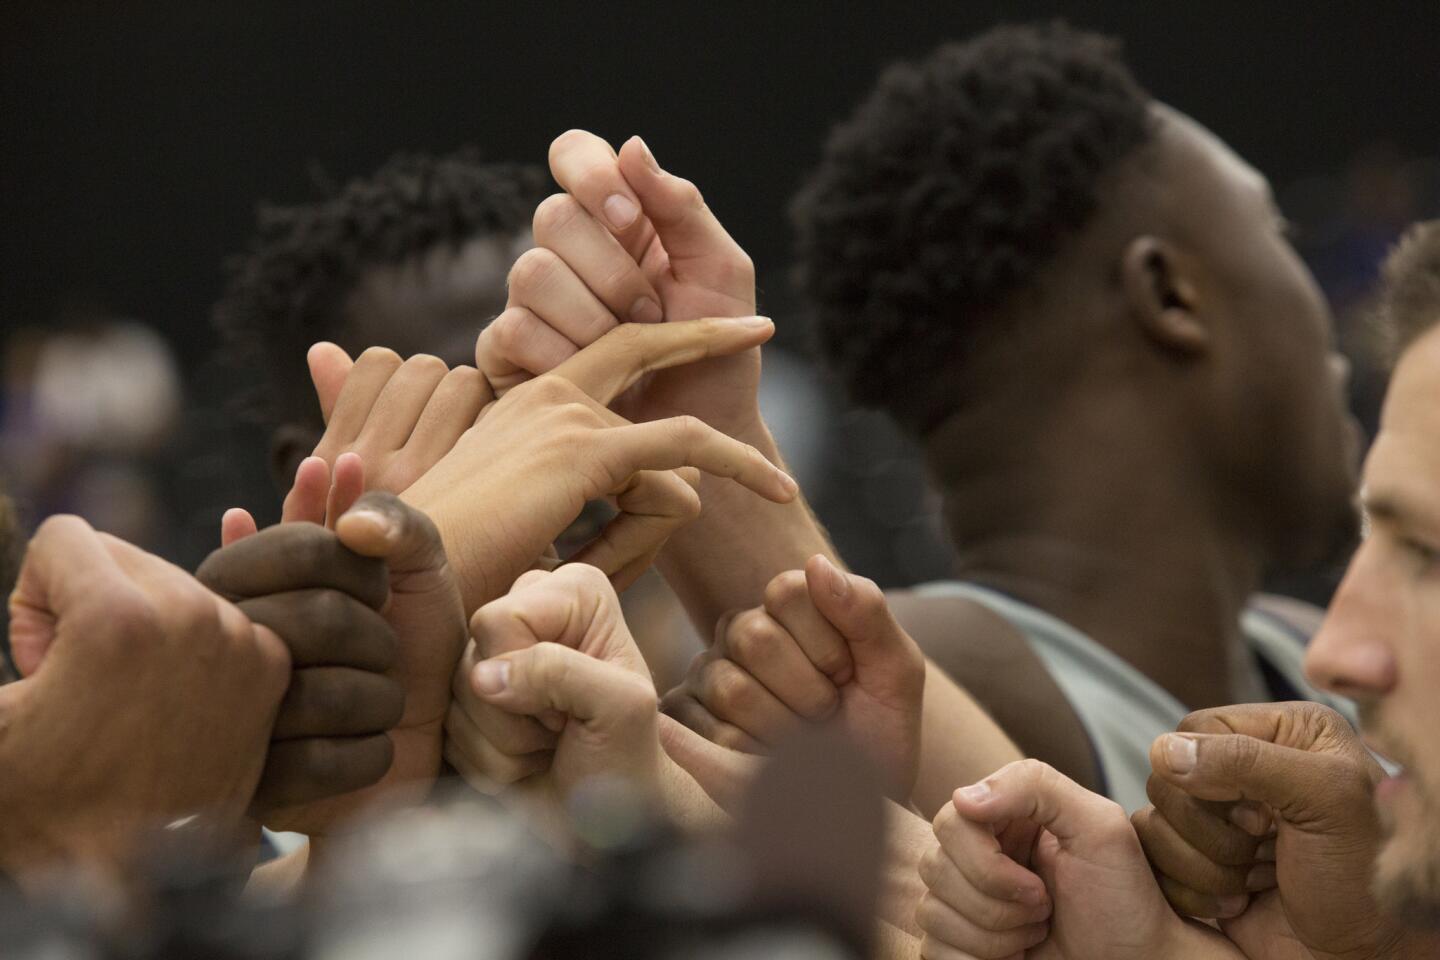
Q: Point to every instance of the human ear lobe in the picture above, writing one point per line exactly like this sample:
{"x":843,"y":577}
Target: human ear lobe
{"x":1162,"y":297}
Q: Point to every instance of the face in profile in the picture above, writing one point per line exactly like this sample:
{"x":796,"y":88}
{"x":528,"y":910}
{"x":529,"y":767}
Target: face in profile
{"x":1284,"y":431}
{"x":1381,"y":640}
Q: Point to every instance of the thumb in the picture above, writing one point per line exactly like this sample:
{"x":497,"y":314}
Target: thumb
{"x":1301,"y":786}
{"x":382,"y":525}
{"x":550,"y":676}
{"x":722,"y":773}
{"x":856,"y":608}
{"x":1035,"y":791}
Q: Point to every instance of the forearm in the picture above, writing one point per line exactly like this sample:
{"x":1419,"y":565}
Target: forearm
{"x":724,"y":559}
{"x":685,"y":804}
{"x":959,"y":743}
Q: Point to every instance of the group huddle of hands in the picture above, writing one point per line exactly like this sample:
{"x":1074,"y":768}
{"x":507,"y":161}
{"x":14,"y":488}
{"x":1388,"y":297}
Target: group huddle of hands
{"x":409,"y":612}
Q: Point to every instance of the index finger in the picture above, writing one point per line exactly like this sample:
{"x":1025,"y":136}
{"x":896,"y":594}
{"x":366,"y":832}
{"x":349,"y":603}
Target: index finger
{"x":612,"y":364}
{"x":587,"y":168}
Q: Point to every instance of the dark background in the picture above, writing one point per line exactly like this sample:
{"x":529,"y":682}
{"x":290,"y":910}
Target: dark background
{"x":138,"y":137}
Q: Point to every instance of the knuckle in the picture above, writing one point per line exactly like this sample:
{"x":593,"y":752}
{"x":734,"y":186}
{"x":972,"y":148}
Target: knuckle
{"x":379,"y":357}
{"x":553,"y":390}
{"x":429,"y":364}
{"x":533,"y":269}
{"x":567,"y":141}
{"x":785,"y":589}
{"x":731,"y":738}
{"x":595,"y":182}
{"x":750,"y":634}
{"x":931,"y":868}
{"x":727,"y":687}
{"x":553,"y":215}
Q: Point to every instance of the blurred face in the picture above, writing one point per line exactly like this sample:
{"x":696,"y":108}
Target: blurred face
{"x":434,"y":303}
{"x":1381,"y":639}
{"x":1285,"y":443}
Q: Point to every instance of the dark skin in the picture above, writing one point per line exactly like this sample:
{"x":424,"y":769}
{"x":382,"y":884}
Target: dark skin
{"x":1207,"y":376}
{"x":323,"y":600}
{"x":433,"y":303}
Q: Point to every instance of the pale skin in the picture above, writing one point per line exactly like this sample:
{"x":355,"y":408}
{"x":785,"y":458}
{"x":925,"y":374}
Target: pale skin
{"x":675,"y":252}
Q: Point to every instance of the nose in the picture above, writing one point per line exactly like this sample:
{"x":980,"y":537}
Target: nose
{"x":1353,"y":654}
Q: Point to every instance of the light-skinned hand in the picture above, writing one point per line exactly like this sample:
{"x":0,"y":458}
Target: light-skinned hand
{"x":822,"y":648}
{"x":147,"y":699}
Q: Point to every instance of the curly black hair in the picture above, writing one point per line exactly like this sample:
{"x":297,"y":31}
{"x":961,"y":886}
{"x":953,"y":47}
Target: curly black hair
{"x":948,"y":190}
{"x":1409,"y":304}
{"x":287,"y":291}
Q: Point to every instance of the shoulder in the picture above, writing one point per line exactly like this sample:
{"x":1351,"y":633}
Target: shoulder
{"x":990,"y":658}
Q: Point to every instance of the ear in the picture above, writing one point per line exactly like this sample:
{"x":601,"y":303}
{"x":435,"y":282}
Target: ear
{"x":289,"y":444}
{"x":1162,"y":297}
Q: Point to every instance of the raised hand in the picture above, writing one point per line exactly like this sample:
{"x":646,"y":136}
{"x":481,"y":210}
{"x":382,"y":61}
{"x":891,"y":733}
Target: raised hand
{"x":1030,"y":863}
{"x":822,"y":648}
{"x":152,"y":700}
{"x":323,"y":600}
{"x":627,"y":242}
{"x":399,"y":416}
{"x":519,"y":477}
{"x":1302,"y":767}
{"x":556,"y":659}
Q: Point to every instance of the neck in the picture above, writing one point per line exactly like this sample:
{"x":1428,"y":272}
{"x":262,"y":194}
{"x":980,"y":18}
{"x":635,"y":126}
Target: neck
{"x":1100,"y":527}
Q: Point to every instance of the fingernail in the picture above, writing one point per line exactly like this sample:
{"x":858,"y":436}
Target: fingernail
{"x":646,"y":310}
{"x":620,"y":210}
{"x":378,"y":519}
{"x":753,"y":323}
{"x":976,"y":792}
{"x":492,"y":676}
{"x":1227,"y":908}
{"x":788,"y":484}
{"x":649,"y":157}
{"x":1260,"y":877}
{"x":1250,"y":820}
{"x":1180,"y":754}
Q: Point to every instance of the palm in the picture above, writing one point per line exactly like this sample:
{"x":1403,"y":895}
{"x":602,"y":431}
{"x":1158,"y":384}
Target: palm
{"x":1106,"y":902}
{"x":886,"y":730}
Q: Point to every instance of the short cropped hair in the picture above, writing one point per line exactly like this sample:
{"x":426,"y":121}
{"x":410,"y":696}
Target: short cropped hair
{"x":950,"y":188}
{"x":1409,"y":304}
{"x":288,"y":289}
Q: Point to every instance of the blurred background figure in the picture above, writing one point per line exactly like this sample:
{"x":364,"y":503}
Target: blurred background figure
{"x":89,"y":410}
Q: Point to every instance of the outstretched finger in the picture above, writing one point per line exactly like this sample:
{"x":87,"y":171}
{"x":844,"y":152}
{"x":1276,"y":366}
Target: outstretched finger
{"x":347,"y":483}
{"x":329,"y":366}
{"x":612,"y":364}
{"x":587,"y":168}
{"x":689,"y":442}
{"x":305,"y":503}
{"x":236,"y":524}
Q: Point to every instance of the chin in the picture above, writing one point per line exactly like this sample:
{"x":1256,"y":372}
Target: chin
{"x":1407,"y":875}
